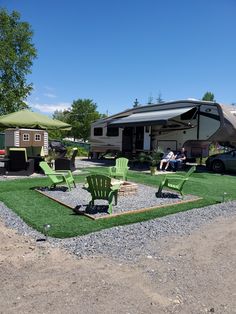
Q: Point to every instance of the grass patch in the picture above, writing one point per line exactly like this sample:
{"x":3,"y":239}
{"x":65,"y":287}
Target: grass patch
{"x":37,"y":210}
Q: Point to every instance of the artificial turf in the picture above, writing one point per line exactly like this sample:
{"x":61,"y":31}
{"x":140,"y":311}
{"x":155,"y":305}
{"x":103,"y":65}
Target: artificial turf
{"x":37,"y":210}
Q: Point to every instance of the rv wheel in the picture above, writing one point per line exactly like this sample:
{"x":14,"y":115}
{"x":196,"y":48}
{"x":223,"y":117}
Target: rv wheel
{"x":218,"y":166}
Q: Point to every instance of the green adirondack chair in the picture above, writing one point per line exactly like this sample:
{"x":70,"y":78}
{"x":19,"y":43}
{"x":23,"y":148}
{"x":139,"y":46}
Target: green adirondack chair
{"x":120,"y":169}
{"x":174,"y":182}
{"x":57,"y":177}
{"x":100,"y":187}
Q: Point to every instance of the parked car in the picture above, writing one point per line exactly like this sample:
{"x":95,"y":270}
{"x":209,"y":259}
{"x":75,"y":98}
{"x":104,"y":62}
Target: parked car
{"x":222,"y":162}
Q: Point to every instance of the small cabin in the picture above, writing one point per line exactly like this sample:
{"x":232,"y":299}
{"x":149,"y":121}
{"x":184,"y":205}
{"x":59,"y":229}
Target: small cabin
{"x":28,"y":138}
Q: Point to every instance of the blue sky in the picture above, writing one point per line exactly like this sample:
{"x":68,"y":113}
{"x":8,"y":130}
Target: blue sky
{"x":115,"y":51}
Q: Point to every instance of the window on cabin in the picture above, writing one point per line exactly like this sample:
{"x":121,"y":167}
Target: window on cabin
{"x":26,"y":137}
{"x":37,"y":137}
{"x":97,"y":131}
{"x":112,"y":131}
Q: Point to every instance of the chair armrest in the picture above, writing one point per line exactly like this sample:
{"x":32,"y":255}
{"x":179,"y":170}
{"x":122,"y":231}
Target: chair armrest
{"x":56,"y":173}
{"x":115,"y":187}
{"x":64,"y":171}
{"x":174,"y":177}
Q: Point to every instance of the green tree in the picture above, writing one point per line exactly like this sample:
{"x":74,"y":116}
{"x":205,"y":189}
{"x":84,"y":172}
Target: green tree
{"x":136,"y":103}
{"x":16,"y":54}
{"x":83,"y":112}
{"x":150,"y":100}
{"x":160,"y":99}
{"x":208,"y":96}
{"x":62,"y":115}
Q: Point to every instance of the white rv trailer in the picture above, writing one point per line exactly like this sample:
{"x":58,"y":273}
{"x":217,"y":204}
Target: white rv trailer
{"x":193,"y":124}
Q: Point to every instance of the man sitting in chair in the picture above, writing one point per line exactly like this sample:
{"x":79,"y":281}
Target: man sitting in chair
{"x":166,"y":158}
{"x":178,"y":159}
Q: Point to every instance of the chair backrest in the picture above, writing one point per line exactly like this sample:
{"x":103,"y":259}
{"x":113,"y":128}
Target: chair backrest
{"x":75,"y":152}
{"x":190,"y":171}
{"x":18,"y":158}
{"x":122,"y":163}
{"x":18,"y":151}
{"x":186,"y":177}
{"x":99,"y":185}
{"x":45,"y":167}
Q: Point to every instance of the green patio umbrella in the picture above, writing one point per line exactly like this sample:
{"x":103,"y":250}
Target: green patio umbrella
{"x":32,"y":120}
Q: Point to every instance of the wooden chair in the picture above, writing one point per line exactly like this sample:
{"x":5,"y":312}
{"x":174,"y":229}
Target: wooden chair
{"x":175,"y":182}
{"x":120,"y":169}
{"x":66,"y":163}
{"x":57,"y":177}
{"x":100,"y":187}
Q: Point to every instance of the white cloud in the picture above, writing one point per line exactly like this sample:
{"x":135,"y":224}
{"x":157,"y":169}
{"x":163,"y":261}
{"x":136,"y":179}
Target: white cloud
{"x":50,"y":108}
{"x":49,"y":88}
{"x":50,"y":95}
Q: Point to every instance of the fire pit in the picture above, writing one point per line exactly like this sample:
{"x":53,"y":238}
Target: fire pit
{"x":126,"y":188}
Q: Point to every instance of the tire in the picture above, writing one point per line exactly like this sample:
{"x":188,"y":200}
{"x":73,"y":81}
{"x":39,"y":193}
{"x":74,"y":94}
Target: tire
{"x":218,"y":166}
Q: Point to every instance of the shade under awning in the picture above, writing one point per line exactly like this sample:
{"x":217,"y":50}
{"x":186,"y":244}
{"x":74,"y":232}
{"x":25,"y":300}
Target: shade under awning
{"x":149,"y":118}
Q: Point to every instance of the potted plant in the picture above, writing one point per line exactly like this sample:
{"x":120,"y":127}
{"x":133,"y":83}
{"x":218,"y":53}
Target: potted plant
{"x":50,"y":158}
{"x":153,"y":159}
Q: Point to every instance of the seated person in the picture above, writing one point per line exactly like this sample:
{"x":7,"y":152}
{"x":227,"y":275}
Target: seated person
{"x":178,"y":159}
{"x":166,"y":158}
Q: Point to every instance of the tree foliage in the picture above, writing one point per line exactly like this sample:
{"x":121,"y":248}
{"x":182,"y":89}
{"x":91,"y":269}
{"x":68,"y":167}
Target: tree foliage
{"x":160,"y":100}
{"x":136,"y":103}
{"x":81,"y":114}
{"x":208,"y":96}
{"x":16,"y":54}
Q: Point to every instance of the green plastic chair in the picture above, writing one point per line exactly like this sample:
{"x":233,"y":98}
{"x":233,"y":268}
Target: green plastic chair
{"x":57,"y":177}
{"x":100,"y":187}
{"x":120,"y":169}
{"x":174,"y":182}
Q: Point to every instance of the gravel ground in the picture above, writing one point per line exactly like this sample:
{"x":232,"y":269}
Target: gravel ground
{"x":178,"y":264}
{"x":79,"y":197}
{"x":134,"y":240}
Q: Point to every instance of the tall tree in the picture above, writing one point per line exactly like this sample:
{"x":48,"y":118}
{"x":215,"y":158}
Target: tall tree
{"x":62,"y":115}
{"x":83,"y":112}
{"x":208,"y":96}
{"x":160,"y":99}
{"x":136,"y":103}
{"x":16,"y":54}
{"x":150,"y":100}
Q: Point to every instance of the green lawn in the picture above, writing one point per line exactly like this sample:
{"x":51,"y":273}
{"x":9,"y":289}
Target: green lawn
{"x":37,"y":210}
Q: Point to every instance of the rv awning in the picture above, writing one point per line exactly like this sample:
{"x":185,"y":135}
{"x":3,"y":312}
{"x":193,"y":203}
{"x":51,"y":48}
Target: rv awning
{"x":149,"y":118}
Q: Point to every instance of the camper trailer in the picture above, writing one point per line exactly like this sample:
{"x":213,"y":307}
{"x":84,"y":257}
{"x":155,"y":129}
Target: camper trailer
{"x":193,"y":124}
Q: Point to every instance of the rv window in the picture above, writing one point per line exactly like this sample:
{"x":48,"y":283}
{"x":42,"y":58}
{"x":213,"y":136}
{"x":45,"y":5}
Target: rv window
{"x":112,"y":131}
{"x":189,"y":115}
{"x":26,"y":137}
{"x":97,"y":132}
{"x":37,"y":137}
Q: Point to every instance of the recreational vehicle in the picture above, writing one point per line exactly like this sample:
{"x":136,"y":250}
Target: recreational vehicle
{"x":193,"y":124}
